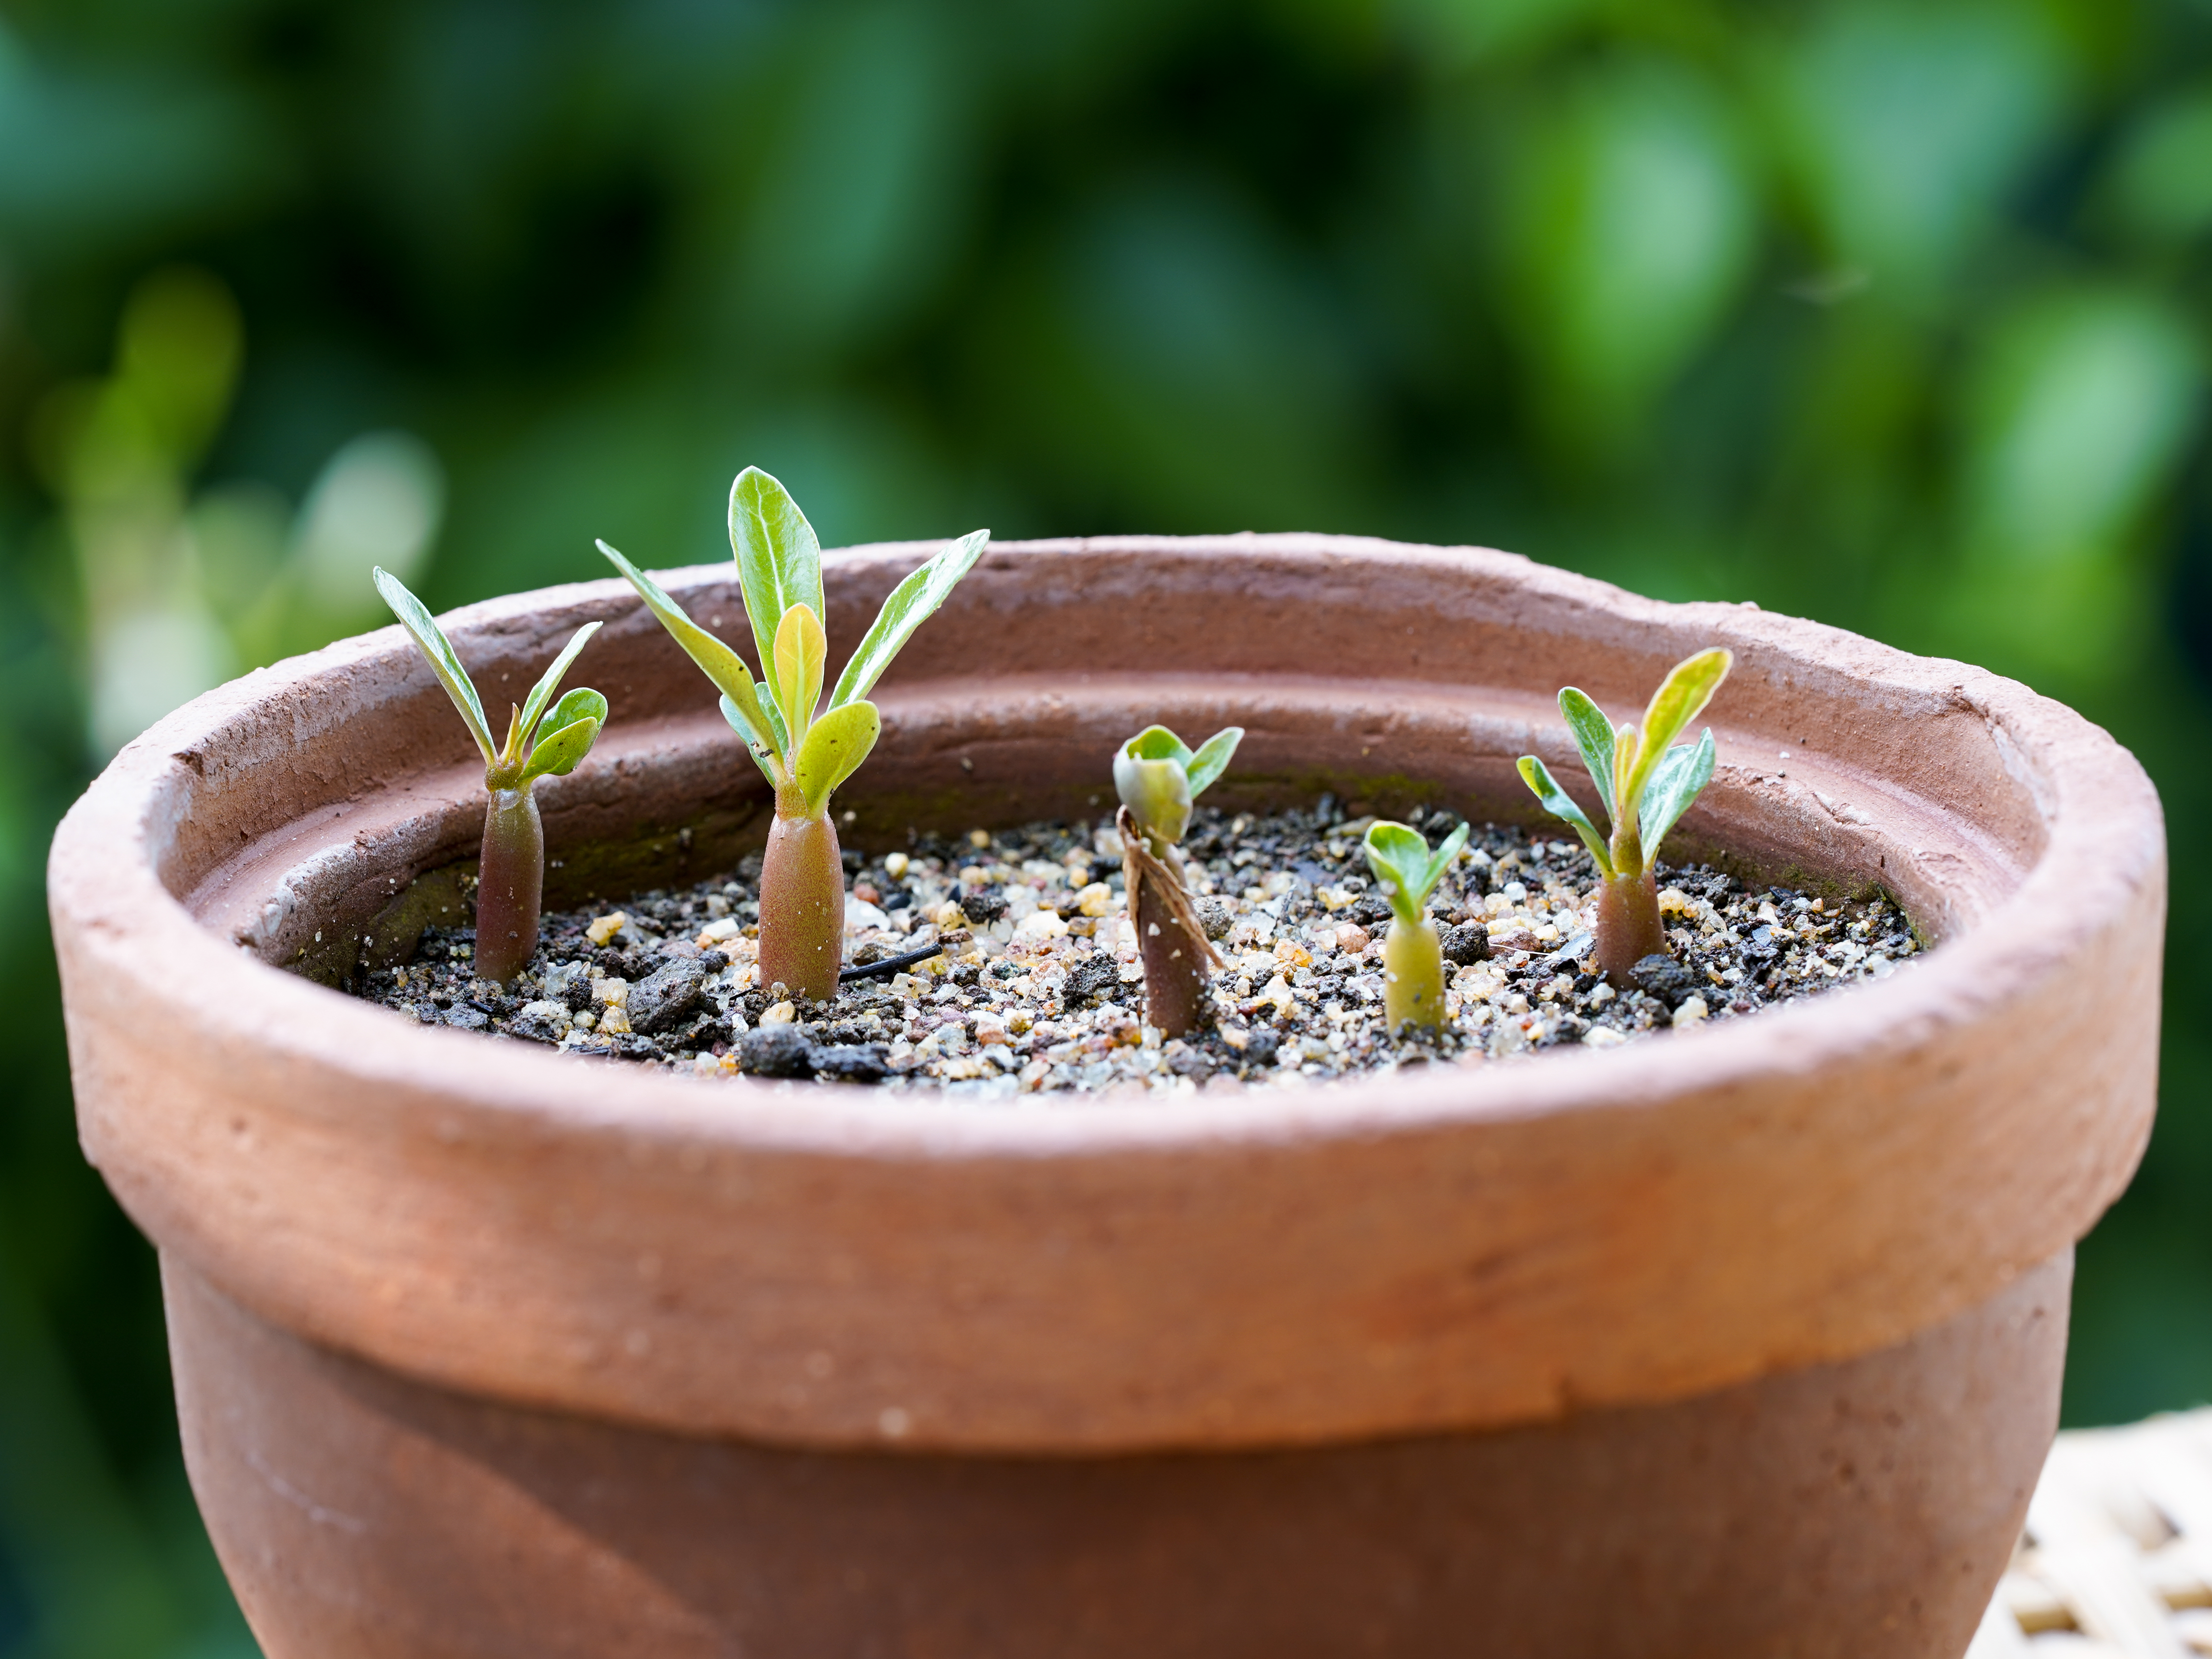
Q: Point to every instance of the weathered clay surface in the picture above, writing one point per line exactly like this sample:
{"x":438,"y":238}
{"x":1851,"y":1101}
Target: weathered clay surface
{"x":1855,"y":1509}
{"x":1741,"y":1343}
{"x":1410,"y":1254}
{"x":1407,"y":1255}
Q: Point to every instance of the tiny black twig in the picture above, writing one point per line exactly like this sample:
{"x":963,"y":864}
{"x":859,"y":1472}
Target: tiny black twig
{"x":891,"y":964}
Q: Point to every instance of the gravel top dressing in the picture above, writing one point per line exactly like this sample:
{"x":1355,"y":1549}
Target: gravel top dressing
{"x":1005,"y":963}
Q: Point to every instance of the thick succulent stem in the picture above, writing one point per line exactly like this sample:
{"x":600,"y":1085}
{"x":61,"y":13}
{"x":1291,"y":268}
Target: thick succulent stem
{"x":1628,"y":925}
{"x":1413,"y":974}
{"x":802,"y":902}
{"x":510,"y":882}
{"x":1175,"y":961}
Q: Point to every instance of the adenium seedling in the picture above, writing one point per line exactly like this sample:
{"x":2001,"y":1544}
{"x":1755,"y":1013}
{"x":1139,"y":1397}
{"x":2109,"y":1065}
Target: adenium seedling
{"x":511,"y":882}
{"x":804,"y":754}
{"x":1412,"y":955}
{"x":1645,"y":786}
{"x":1158,"y":777}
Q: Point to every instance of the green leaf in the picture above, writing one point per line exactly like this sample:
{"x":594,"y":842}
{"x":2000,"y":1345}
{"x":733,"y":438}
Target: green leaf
{"x":910,"y":605}
{"x":721,"y":664}
{"x":579,"y":704}
{"x":801,"y":650}
{"x":430,"y":640}
{"x":753,"y":744}
{"x":1156,"y":792}
{"x":1680,"y":698}
{"x":1593,"y":735}
{"x":1156,"y":742}
{"x":1399,"y":856}
{"x":535,"y":705}
{"x":835,"y":745}
{"x":1213,"y":757}
{"x":1442,"y":858}
{"x":1675,"y":781}
{"x":556,"y":756}
{"x":778,"y":560}
{"x":1561,"y":804}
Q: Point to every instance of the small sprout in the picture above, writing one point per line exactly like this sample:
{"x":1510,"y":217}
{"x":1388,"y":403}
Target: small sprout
{"x":1644,"y":786}
{"x":511,"y":881}
{"x":1158,"y":778}
{"x":1413,"y":955}
{"x":804,"y":754}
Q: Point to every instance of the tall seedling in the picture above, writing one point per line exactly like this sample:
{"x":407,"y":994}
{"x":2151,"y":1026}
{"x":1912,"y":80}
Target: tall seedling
{"x":510,"y":883}
{"x":804,"y":750}
{"x":1158,"y":776}
{"x":1645,"y":786}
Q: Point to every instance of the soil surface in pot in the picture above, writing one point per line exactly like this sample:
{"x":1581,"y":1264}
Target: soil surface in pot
{"x":1037,"y":986}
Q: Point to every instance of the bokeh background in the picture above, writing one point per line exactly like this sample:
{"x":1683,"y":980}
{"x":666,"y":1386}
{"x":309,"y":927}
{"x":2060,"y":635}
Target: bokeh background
{"x":1892,"y":312}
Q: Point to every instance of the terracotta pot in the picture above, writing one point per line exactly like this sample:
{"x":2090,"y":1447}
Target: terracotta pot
{"x":1742,"y":1342}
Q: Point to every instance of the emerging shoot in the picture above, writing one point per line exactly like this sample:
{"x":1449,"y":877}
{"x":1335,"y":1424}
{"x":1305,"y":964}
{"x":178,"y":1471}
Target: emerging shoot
{"x":804,"y":750}
{"x":1158,"y":777}
{"x":1645,"y":786}
{"x":1413,"y":955}
{"x":511,"y":881}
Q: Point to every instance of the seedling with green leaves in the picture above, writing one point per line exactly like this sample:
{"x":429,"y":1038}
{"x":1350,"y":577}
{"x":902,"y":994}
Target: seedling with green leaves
{"x":804,"y":750}
{"x":1158,"y":777}
{"x":1646,"y":785}
{"x":511,"y":880}
{"x":1412,"y":955}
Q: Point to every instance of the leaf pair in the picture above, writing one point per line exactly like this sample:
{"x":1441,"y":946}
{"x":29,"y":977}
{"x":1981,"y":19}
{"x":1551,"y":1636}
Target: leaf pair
{"x":1643,"y":778}
{"x":1158,"y":777}
{"x":571,"y":726}
{"x":1406,"y":869}
{"x":779,"y":562}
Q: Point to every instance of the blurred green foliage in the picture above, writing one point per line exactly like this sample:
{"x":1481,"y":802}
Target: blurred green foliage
{"x":1890,"y":313}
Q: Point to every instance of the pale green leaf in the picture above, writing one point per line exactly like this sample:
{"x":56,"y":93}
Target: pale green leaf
{"x":1441,"y":860}
{"x":1593,"y":735}
{"x":562,"y":747}
{"x":801,"y":650}
{"x":541,"y":692}
{"x":1627,"y":744}
{"x":430,"y":640}
{"x":1675,"y":781}
{"x":1214,"y":756}
{"x":1156,"y":742}
{"x":760,"y":752}
{"x":1680,"y":698}
{"x":836,"y":744}
{"x":1399,"y":856}
{"x":778,"y":560}
{"x":1157,"y":792}
{"x":910,"y":605}
{"x":1538,"y":776}
{"x":720,"y":665}
{"x":581,"y":703}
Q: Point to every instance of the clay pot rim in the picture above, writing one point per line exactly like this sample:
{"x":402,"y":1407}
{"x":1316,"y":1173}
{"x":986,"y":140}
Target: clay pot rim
{"x":2096,"y":803}
{"x":1384,"y":1256}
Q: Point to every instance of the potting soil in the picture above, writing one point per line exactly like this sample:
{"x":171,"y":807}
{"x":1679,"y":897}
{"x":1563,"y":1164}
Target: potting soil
{"x":1035,"y":988}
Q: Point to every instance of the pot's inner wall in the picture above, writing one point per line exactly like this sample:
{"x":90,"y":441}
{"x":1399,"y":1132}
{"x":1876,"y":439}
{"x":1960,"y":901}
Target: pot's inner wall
{"x":318,"y":811}
{"x":670,"y":804}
